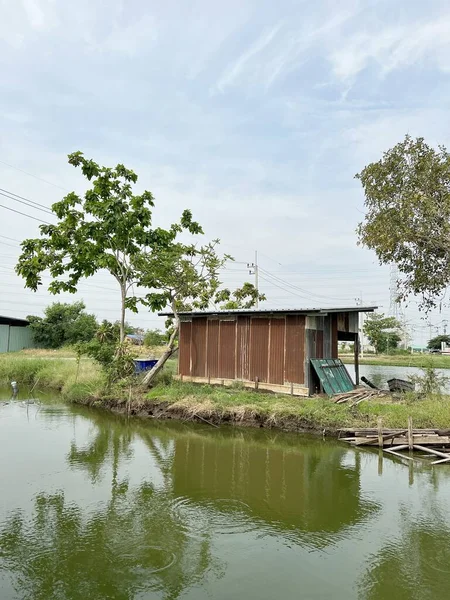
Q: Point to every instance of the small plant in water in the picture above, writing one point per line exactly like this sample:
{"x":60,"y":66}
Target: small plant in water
{"x":430,"y":383}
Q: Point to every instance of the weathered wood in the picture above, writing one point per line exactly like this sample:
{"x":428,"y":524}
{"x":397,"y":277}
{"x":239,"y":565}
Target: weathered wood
{"x":356,"y":359}
{"x":432,"y":451}
{"x":380,"y":432}
{"x":398,"y":453}
{"x":400,"y":438}
{"x":440,"y":461}
{"x":410,"y":434}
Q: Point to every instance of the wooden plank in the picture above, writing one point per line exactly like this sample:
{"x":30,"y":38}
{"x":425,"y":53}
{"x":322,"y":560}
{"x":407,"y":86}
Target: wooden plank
{"x":410,"y":434}
{"x":440,"y":461}
{"x":380,"y":432}
{"x":398,"y":453}
{"x":432,"y":451}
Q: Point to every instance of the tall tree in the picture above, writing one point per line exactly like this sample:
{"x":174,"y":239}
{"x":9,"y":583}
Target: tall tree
{"x":107,"y":229}
{"x":185,"y":277}
{"x":407,"y":198}
{"x":382,"y":332}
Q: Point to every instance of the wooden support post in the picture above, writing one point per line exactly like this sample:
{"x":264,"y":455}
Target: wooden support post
{"x":380,"y":432}
{"x":410,"y":434}
{"x":356,"y":359}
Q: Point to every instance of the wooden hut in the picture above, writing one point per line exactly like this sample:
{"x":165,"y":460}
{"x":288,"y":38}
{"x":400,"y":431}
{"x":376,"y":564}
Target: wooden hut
{"x":265,"y":349}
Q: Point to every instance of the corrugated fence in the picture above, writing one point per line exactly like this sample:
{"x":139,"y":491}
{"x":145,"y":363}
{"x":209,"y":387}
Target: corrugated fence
{"x":14,"y":338}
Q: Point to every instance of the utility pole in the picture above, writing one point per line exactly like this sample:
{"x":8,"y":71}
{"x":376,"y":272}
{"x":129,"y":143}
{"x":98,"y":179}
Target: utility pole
{"x":253,"y":270}
{"x":359,"y":302}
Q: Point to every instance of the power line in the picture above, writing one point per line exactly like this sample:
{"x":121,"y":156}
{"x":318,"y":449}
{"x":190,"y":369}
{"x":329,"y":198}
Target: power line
{"x":308,"y":294}
{"x":34,"y":176}
{"x":37,"y":204}
{"x":26,"y":203}
{"x":24,"y":214}
{"x":8,"y":238}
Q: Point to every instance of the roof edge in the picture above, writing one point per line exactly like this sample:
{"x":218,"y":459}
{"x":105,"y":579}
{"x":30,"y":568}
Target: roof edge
{"x":269,"y":311}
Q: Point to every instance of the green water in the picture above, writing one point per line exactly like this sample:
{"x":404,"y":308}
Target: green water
{"x":93,"y":506}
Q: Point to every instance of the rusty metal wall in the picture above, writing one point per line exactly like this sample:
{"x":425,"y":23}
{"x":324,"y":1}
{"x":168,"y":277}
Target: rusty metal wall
{"x":184,"y":350}
{"x":343,"y":323}
{"x":198,"y":347}
{"x":259,"y":349}
{"x":294,"y":371}
{"x":213,"y":348}
{"x":276,"y":350}
{"x":243,"y":349}
{"x":227,"y":349}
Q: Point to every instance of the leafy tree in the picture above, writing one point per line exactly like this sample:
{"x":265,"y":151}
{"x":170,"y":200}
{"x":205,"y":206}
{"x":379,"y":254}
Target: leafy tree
{"x":186,"y":277}
{"x":407,"y":197}
{"x":155,"y":337}
{"x":63,"y":323}
{"x":435,"y":343}
{"x":244,"y":297}
{"x":379,"y":330}
{"x":104,"y":230}
{"x":115,"y":358}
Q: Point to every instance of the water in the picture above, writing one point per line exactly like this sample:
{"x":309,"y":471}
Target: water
{"x":379,"y":374}
{"x":95,"y":506}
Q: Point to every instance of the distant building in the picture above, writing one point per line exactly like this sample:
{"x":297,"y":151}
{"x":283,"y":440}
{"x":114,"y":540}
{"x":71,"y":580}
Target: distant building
{"x":135,"y":338}
{"x":265,"y":349}
{"x":15,"y":334}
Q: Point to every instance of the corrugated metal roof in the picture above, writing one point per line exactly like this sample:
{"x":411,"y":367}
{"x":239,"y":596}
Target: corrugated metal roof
{"x":270,"y":311}
{"x":13,"y":321}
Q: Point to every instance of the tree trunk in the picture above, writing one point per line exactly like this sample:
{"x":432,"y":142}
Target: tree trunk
{"x":171,"y":347}
{"x":123,"y":294}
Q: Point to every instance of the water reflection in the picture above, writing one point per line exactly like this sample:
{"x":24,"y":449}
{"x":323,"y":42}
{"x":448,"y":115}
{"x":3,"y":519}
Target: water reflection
{"x":414,"y":564}
{"x":118,"y":551}
{"x":109,"y":508}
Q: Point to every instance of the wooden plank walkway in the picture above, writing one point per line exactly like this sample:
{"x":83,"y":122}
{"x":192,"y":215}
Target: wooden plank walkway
{"x":433,"y":442}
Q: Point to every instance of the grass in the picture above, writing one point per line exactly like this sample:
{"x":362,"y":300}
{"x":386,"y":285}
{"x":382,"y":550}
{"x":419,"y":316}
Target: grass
{"x":285,"y":411}
{"x":402,"y":360}
{"x":51,"y":373}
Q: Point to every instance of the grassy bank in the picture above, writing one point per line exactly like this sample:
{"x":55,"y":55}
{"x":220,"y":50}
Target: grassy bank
{"x":186,"y":401}
{"x":219,"y":405}
{"x":75,"y":382}
{"x":402,"y":360}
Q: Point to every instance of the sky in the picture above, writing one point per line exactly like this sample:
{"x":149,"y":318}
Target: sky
{"x":255,"y":115}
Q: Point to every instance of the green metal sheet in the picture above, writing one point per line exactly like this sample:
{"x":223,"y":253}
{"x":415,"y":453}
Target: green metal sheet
{"x":333,"y":375}
{"x":4,"y":338}
{"x":20,"y":338}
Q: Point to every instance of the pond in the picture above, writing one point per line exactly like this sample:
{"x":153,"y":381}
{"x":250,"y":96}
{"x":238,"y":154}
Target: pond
{"x":379,"y":374}
{"x":96,"y":506}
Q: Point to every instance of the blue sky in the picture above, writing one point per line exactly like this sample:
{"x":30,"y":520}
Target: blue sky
{"x":256,"y":115}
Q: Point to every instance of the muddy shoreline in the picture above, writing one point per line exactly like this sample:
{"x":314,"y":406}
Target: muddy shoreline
{"x":167,"y":411}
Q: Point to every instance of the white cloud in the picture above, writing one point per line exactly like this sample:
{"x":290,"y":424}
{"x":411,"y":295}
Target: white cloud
{"x":392,"y":48}
{"x":234,"y":71}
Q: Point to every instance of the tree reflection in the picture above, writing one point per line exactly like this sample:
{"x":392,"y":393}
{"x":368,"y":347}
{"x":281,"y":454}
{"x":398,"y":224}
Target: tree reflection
{"x":414,"y":565}
{"x":131,"y":546}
